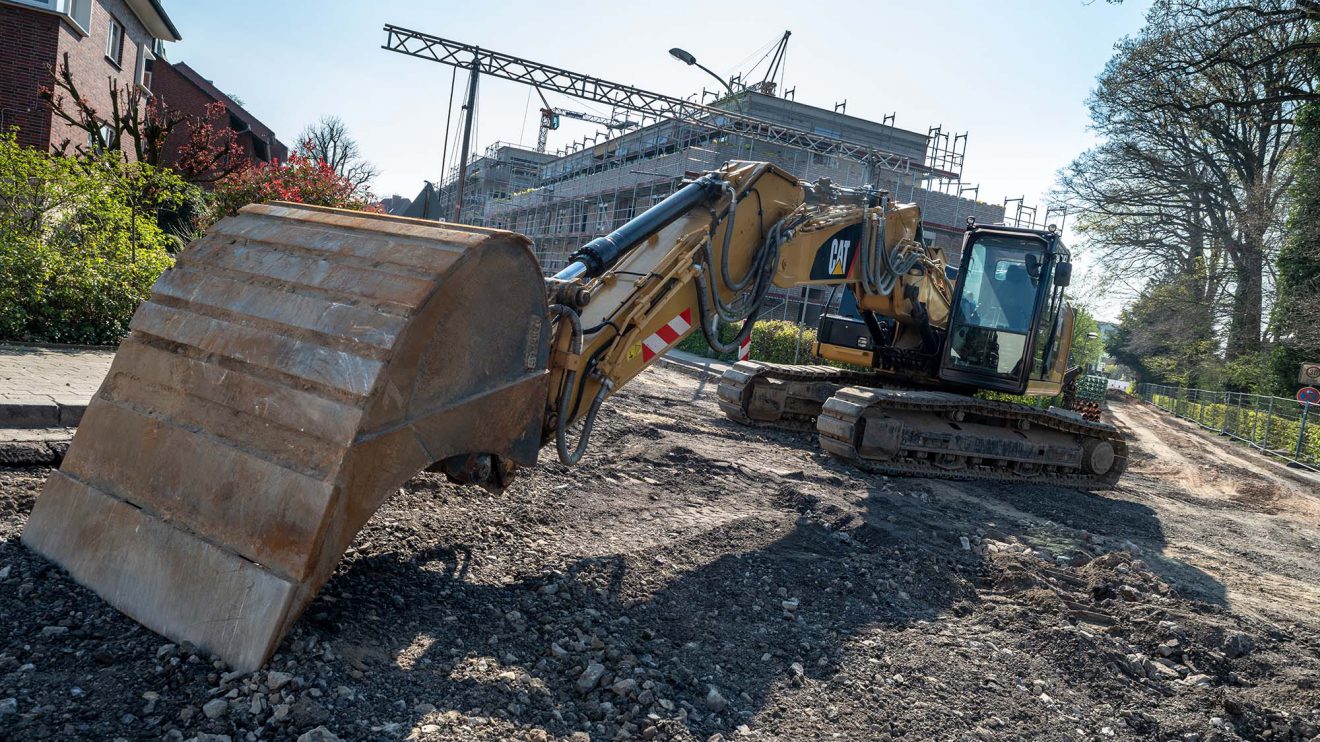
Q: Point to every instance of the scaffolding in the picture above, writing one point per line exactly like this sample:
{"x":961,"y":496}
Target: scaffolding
{"x":598,"y":183}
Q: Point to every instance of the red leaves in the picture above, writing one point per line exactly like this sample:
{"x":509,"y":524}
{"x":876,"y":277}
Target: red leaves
{"x":212,"y":151}
{"x":298,"y":179}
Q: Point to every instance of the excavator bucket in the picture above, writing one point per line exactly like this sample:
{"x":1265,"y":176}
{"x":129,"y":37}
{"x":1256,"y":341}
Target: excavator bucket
{"x":293,"y":369}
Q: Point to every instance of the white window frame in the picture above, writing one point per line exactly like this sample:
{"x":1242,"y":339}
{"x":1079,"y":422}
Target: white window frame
{"x":114,"y":43}
{"x":142,"y":75}
{"x":105,"y":129}
{"x":77,"y":12}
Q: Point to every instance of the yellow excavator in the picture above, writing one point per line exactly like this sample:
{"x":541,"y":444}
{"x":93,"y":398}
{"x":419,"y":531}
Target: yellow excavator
{"x":299,"y":364}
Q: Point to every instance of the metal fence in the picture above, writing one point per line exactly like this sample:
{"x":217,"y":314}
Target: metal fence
{"x":1277,"y":426}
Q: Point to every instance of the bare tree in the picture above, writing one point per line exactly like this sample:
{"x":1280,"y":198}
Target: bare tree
{"x":141,"y":125}
{"x":328,"y":140}
{"x":138,"y":122}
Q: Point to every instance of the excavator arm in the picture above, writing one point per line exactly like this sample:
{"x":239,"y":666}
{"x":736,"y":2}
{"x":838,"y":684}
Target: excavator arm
{"x":707,"y":256}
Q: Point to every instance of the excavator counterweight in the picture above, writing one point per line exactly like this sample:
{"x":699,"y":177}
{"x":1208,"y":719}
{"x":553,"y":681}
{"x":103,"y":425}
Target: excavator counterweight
{"x":294,"y":368}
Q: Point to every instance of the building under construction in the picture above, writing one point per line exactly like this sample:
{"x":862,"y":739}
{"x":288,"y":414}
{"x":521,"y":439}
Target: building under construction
{"x":651,"y":143}
{"x":586,"y":190}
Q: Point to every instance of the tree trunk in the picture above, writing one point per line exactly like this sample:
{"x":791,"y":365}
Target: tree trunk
{"x":1244,"y":326}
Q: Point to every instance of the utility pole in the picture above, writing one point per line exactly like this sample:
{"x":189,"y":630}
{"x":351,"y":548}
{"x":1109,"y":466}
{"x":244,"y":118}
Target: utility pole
{"x":467,"y":138}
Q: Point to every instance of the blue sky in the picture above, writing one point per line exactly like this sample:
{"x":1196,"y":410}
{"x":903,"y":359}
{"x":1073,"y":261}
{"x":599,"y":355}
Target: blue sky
{"x":1015,"y":74}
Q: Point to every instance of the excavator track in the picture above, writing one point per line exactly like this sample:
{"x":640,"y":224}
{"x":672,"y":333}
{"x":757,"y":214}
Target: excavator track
{"x":951,"y":436}
{"x":780,"y":396}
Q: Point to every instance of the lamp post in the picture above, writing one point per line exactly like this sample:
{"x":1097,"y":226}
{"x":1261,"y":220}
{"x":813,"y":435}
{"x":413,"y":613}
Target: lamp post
{"x":691,"y":61}
{"x":1099,"y":351}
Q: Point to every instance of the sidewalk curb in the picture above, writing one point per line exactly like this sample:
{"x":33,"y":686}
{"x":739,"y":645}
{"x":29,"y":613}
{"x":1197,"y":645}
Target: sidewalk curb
{"x":39,"y":412}
{"x":55,"y":346}
{"x":688,"y":368}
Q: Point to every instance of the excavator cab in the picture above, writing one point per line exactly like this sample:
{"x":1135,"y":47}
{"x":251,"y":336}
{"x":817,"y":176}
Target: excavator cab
{"x":1007,"y":302}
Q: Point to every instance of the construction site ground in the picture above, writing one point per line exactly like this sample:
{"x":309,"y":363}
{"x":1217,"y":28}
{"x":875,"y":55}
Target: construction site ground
{"x":694,"y":579}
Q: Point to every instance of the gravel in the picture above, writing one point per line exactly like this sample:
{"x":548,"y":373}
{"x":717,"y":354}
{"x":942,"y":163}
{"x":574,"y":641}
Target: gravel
{"x":673,"y":587}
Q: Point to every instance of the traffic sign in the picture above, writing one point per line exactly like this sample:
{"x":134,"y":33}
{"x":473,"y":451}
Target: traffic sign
{"x":1308,"y":395}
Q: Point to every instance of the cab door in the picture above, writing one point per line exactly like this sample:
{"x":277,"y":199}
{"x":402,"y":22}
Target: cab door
{"x":997,"y":304}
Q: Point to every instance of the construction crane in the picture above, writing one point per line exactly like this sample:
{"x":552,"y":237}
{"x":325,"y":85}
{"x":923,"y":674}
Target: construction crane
{"x":550,"y":121}
{"x":767,"y":85}
{"x":651,"y":104}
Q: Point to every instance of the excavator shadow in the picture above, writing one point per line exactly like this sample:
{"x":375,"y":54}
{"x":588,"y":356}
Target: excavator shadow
{"x":606,"y":642}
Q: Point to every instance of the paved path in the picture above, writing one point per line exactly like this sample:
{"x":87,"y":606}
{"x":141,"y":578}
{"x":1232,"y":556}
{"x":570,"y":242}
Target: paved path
{"x":48,"y":387}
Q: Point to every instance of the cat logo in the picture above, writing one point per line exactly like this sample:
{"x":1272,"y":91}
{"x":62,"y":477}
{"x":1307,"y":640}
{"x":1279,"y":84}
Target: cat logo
{"x":839,"y":257}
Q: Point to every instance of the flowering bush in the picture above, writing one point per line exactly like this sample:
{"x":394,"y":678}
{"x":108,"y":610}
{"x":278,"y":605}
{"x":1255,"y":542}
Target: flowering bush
{"x":298,"y":179}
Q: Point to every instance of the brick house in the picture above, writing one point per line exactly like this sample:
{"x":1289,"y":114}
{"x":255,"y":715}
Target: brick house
{"x":181,"y":88}
{"x":104,"y":39}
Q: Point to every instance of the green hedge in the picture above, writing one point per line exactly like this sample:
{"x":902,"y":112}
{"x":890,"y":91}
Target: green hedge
{"x":80,"y":245}
{"x":772,"y":340}
{"x":1271,"y":431}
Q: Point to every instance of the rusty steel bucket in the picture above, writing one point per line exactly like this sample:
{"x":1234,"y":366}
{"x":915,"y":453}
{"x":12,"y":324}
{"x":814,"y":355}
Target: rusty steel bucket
{"x":292,"y":370}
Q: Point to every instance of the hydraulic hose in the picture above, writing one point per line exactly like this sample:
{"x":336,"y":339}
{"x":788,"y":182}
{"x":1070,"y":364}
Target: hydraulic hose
{"x":567,"y":457}
{"x":731,"y":222}
{"x":868,"y":271}
{"x":763,"y":268}
{"x":880,"y":279}
{"x":726,"y":312}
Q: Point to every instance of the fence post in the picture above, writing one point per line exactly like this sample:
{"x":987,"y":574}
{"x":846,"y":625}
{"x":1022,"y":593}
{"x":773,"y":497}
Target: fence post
{"x":1301,"y":434}
{"x":1255,"y":417}
{"x":1269,"y":422}
{"x":1223,"y":428}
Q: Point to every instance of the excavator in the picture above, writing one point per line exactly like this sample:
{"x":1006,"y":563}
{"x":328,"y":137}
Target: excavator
{"x":299,"y":364}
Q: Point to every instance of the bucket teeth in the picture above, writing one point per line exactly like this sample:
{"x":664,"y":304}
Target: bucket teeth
{"x":295,"y":367}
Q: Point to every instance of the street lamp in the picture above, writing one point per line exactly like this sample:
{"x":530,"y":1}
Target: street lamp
{"x":691,"y":61}
{"x":1099,"y":351}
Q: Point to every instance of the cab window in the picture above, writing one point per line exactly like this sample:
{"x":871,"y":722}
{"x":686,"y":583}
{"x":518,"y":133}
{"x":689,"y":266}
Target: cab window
{"x":994,"y":316}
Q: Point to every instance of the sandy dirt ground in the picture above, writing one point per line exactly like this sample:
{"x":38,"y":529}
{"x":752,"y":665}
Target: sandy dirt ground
{"x":696,"y":580}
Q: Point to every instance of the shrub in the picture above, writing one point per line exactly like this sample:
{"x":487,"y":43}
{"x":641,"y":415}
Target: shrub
{"x":298,"y":179}
{"x":772,"y":340}
{"x":80,"y":245}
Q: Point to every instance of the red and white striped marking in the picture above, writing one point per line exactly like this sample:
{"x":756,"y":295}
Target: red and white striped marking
{"x":667,"y":335}
{"x":745,"y":349}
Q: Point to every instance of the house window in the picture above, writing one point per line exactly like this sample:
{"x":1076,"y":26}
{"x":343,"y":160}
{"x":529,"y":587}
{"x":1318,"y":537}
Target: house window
{"x":78,"y":11}
{"x":114,"y":42}
{"x":143,"y":72}
{"x":106,"y":131}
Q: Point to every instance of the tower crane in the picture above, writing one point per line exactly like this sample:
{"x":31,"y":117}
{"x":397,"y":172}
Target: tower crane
{"x":550,"y":120}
